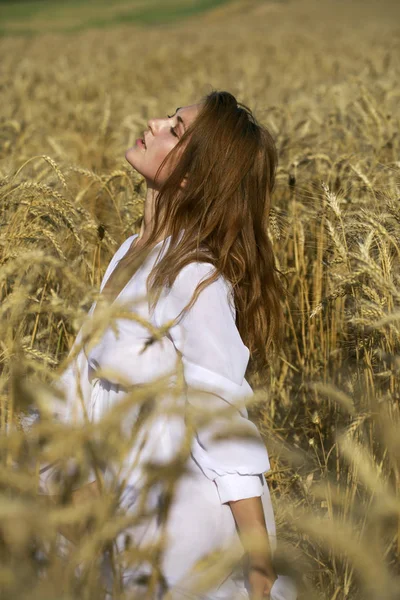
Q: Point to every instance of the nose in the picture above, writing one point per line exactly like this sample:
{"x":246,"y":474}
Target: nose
{"x":155,"y":125}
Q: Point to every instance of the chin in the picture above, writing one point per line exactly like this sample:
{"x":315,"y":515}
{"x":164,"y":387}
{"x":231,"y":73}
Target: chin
{"x":129,"y":155}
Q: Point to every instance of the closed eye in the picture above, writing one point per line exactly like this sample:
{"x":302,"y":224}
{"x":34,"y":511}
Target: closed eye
{"x":172,"y":130}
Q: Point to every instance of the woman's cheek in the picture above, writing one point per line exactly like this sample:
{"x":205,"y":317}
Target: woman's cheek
{"x":159,"y":158}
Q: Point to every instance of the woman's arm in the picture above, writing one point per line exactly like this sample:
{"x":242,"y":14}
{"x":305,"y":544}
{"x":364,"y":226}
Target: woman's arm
{"x":228,"y":446}
{"x":249,"y":517}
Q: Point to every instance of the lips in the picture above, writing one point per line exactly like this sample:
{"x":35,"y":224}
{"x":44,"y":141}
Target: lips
{"x":144,"y":140}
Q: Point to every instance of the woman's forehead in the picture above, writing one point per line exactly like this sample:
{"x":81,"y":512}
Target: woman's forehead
{"x":189,"y":112}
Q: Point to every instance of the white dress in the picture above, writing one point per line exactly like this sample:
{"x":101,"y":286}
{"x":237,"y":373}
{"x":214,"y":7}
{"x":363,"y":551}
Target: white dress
{"x":214,"y":360}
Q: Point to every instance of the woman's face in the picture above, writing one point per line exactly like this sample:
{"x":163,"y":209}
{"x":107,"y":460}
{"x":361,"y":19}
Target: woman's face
{"x":160,"y":138}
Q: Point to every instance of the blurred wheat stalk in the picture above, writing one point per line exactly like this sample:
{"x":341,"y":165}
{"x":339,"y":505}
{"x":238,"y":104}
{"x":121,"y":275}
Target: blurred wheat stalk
{"x":331,"y":412}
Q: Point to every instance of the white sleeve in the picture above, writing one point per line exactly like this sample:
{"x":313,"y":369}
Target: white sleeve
{"x":215,"y":359}
{"x":75,"y":386}
{"x":75,"y":382}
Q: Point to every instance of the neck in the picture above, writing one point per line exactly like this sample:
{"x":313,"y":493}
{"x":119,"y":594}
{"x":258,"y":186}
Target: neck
{"x":147,"y":223}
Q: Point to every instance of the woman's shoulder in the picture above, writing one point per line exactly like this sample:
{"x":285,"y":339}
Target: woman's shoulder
{"x":195,"y":272}
{"x":192,"y":274}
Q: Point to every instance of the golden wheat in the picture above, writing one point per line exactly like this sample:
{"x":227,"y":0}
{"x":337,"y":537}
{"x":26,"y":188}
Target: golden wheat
{"x":324,"y":78}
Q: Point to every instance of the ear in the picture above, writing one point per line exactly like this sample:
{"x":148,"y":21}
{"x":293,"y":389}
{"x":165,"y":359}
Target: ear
{"x":183,"y":183}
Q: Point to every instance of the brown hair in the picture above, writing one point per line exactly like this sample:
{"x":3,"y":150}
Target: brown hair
{"x":229,"y":161}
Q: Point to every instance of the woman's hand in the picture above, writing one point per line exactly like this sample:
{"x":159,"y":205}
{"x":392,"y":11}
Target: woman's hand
{"x":261,"y":583}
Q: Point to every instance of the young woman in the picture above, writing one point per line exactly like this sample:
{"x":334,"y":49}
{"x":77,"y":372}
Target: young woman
{"x":205,"y":264}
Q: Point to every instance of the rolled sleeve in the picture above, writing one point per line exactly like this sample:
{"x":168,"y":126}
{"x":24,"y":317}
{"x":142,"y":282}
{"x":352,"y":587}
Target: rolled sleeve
{"x":238,"y":487}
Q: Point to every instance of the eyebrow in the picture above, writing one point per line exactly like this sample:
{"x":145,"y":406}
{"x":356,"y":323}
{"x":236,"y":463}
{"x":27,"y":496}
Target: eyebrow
{"x":180,"y":120}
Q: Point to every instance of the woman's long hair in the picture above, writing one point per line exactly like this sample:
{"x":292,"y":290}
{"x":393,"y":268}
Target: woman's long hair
{"x":228,"y":161}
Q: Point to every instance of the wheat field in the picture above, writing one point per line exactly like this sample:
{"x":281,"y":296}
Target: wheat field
{"x":323,"y":76}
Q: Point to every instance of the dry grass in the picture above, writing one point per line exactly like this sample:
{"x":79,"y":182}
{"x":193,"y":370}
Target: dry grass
{"x":324,"y":78}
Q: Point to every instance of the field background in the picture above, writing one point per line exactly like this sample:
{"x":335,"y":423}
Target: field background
{"x":30,"y":17}
{"x":77,"y":85}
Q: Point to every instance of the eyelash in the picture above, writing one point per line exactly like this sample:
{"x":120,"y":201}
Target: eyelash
{"x":172,"y":130}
